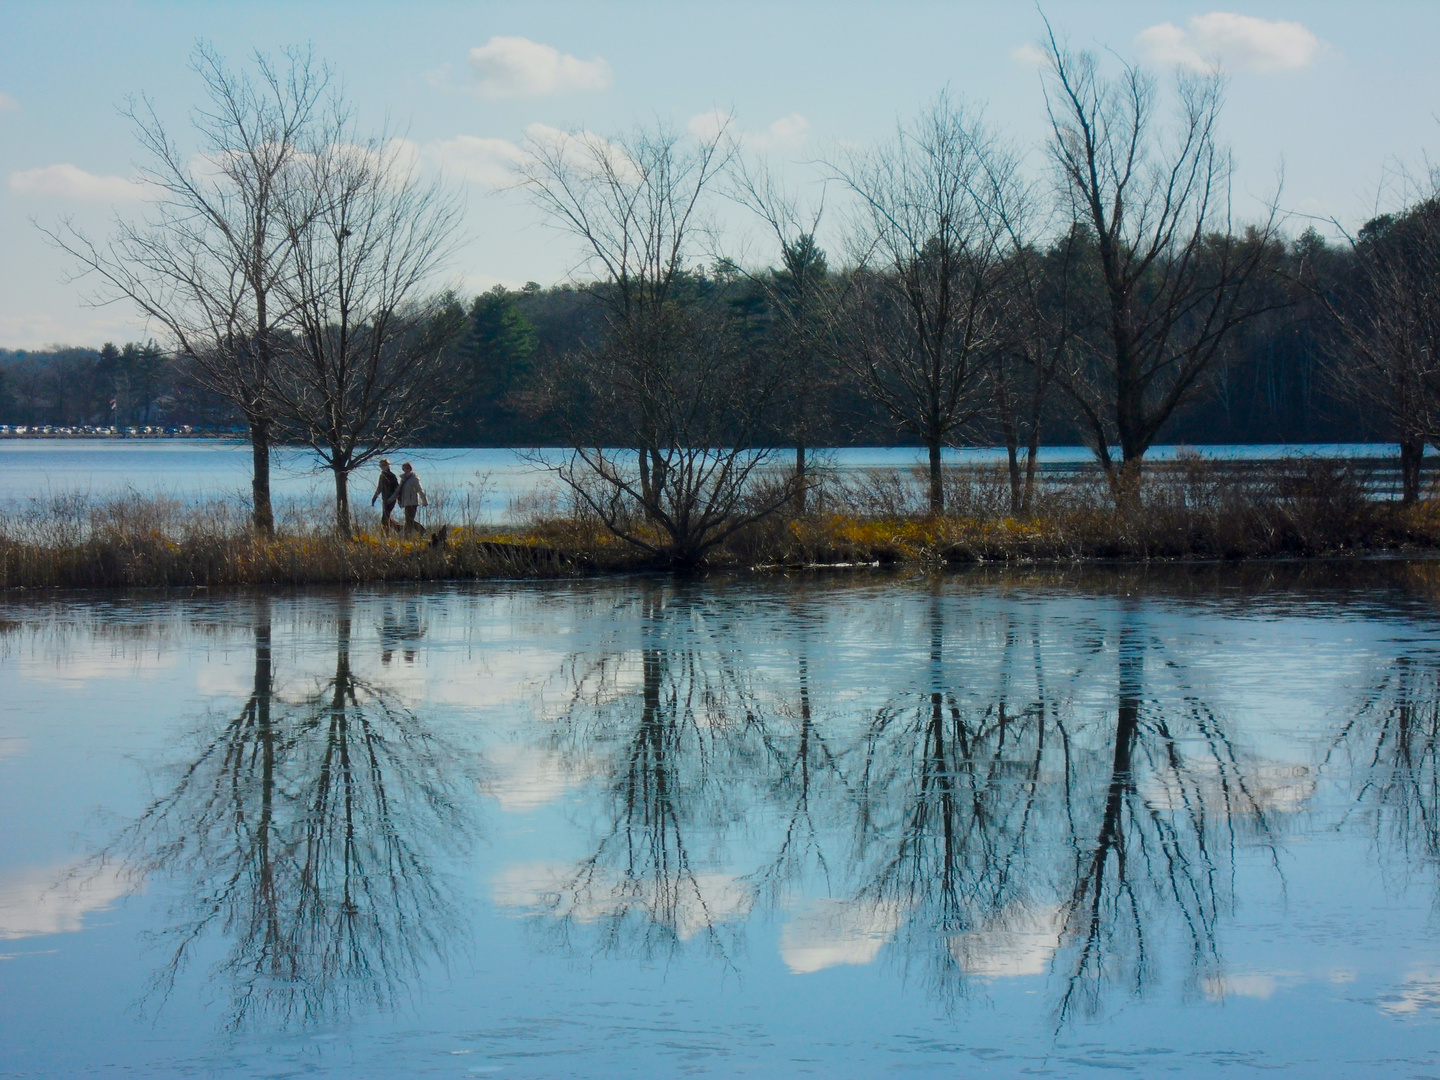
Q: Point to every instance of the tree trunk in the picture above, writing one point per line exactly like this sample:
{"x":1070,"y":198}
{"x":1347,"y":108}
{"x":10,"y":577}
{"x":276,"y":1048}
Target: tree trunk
{"x":1412,"y":457}
{"x":649,"y":485}
{"x":1032,"y":451}
{"x":1012,"y":456}
{"x":261,"y":514}
{"x":342,"y":502}
{"x":937,"y":486}
{"x":800,"y":482}
{"x":1125,"y":484}
{"x":657,"y":477}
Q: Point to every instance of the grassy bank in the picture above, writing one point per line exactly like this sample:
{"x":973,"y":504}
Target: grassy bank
{"x":1189,"y":510}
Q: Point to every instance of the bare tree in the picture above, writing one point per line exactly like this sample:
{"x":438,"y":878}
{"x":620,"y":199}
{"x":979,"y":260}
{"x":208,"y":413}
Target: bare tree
{"x":207,"y":261}
{"x":1173,"y":277}
{"x":669,"y":378}
{"x":1388,"y":313}
{"x":364,"y":355}
{"x":924,"y":314}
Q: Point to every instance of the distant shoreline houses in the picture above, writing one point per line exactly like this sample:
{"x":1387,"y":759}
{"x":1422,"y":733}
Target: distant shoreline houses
{"x":146,"y":431}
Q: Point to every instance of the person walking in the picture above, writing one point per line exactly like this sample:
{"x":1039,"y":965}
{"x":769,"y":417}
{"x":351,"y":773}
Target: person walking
{"x":386,"y":490}
{"x":412,"y":497}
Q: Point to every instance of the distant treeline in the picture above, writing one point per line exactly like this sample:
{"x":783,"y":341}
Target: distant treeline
{"x":514,"y":345}
{"x":130,"y":385}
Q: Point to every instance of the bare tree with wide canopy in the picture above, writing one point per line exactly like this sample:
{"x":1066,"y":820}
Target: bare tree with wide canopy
{"x":669,"y":378}
{"x":1174,"y":278}
{"x":207,"y":261}
{"x":364,"y":357}
{"x":925,"y":302}
{"x":1388,"y":313}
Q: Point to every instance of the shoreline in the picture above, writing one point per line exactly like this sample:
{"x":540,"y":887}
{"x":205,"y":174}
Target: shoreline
{"x":811,"y":547}
{"x":1187,"y":512}
{"x":1249,"y":577}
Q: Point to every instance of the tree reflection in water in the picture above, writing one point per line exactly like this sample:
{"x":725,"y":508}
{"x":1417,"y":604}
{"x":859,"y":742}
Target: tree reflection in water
{"x":1177,"y":799}
{"x":951,"y":782}
{"x":1391,"y":743}
{"x":669,"y":760}
{"x":305,"y":833}
{"x":994,"y":821}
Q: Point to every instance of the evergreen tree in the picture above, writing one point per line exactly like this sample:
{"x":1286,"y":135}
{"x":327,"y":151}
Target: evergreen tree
{"x":496,"y":361}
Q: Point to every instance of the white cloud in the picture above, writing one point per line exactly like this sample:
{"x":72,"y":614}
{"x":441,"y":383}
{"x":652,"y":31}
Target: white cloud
{"x":1273,"y":788}
{"x":788,"y":131}
{"x":518,"y":67}
{"x":439,"y":78}
{"x":1234,"y":42}
{"x":8,"y":103}
{"x":70,"y":182}
{"x":55,"y":900}
{"x":85,"y":667}
{"x":584,"y":151}
{"x":707,"y":125}
{"x":1030,"y":56}
{"x":828,"y":933}
{"x":491,"y":162}
{"x":395,"y":160}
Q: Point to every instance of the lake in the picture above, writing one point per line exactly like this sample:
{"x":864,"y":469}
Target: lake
{"x":1169,"y":821}
{"x":493,"y":481}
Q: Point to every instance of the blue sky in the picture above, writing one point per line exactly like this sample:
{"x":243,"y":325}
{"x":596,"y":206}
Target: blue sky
{"x":1334,"y":94}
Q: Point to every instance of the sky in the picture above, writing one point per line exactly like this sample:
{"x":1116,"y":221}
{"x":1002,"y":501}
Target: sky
{"x":1326,"y":102}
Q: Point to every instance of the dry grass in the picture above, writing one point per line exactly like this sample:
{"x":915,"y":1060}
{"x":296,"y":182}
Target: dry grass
{"x":72,"y":542}
{"x":1191,"y":509}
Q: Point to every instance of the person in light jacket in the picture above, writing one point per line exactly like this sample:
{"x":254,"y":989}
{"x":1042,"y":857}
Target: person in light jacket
{"x":386,"y":490}
{"x":411,"y":497}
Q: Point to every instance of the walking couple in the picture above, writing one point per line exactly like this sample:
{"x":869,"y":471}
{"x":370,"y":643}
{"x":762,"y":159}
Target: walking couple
{"x":405,"y":490}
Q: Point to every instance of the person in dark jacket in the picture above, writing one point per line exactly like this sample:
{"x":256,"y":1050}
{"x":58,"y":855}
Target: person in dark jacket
{"x":412,"y":497}
{"x":387,"y":490}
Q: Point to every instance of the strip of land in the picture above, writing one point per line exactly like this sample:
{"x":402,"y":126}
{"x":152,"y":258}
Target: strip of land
{"x":1190,"y":511}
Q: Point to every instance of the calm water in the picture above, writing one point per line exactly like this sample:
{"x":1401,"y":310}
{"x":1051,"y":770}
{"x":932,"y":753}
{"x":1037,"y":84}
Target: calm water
{"x":1156,"y":823}
{"x":493,"y":480}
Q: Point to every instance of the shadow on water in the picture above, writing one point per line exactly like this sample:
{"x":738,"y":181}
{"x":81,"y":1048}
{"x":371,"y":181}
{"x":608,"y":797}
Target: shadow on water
{"x":302,"y":834}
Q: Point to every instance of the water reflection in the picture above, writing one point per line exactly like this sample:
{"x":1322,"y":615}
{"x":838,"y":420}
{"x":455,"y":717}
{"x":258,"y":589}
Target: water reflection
{"x":1390,"y":744}
{"x":984,"y":822}
{"x":669,"y":752}
{"x":1176,"y":795}
{"x":400,"y":630}
{"x":304,"y":832}
{"x":962,"y":794}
